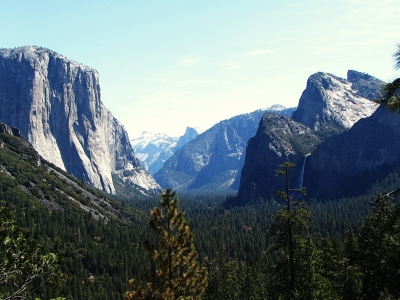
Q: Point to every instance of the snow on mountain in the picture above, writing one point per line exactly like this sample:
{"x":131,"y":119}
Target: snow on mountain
{"x":153,"y":149}
{"x":276,"y":107}
{"x":280,"y":110}
{"x":213,"y":160}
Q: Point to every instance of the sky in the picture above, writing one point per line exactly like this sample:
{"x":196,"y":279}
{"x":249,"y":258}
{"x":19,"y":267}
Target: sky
{"x":165,"y":65}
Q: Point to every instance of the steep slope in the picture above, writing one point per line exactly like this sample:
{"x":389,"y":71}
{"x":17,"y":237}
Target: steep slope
{"x":365,"y":153}
{"x":56,"y":104}
{"x":25,"y":175}
{"x":153,"y":149}
{"x":329,"y":105}
{"x":82,"y":225}
{"x":277,"y":140}
{"x":213,"y":160}
{"x":334,"y":104}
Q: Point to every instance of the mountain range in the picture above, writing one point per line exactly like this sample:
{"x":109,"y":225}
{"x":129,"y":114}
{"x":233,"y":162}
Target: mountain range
{"x":153,"y":149}
{"x":339,"y":139}
{"x":213,"y":160}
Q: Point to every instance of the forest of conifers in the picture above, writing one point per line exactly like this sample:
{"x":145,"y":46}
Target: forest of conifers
{"x":343,"y":249}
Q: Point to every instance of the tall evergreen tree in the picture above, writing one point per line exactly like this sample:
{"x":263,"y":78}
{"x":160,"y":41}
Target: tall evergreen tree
{"x":390,"y":93}
{"x":178,"y":274}
{"x":288,"y":231}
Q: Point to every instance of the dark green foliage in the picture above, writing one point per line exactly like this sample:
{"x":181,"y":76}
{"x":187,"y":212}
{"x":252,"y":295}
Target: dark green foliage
{"x":22,"y":266}
{"x":98,"y":257}
{"x":378,"y":249}
{"x":327,"y":131}
{"x":178,"y":273}
{"x":352,"y":281}
{"x":301,"y":143}
{"x":390,"y":92}
{"x":304,"y":144}
{"x":232,"y":279}
{"x":87,"y":230}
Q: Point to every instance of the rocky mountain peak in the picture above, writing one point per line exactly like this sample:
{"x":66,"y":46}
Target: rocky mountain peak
{"x":5,"y":129}
{"x":354,"y":76}
{"x":333,"y":102}
{"x":189,"y":135}
{"x":330,"y":161}
{"x":276,"y":108}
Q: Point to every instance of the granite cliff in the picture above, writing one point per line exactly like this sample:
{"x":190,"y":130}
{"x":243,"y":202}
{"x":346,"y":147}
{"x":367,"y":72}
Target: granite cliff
{"x":329,"y":108}
{"x":362,"y":155}
{"x":56,"y":104}
{"x":278,"y":139}
{"x":335,"y":104}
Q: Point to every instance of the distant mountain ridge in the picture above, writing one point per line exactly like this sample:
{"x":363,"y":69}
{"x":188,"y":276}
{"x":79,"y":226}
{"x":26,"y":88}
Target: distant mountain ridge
{"x":56,"y":103}
{"x":213,"y":160}
{"x":153,"y":149}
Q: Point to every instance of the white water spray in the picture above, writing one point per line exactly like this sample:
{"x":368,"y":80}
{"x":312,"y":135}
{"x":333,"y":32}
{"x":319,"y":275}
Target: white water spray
{"x":302,"y":171}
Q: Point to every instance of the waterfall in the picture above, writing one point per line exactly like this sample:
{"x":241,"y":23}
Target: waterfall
{"x":302,"y":171}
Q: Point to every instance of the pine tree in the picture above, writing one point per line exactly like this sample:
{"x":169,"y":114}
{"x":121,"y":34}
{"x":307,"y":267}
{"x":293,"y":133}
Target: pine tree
{"x":179,"y":274}
{"x":390,"y":95}
{"x":290,"y":241}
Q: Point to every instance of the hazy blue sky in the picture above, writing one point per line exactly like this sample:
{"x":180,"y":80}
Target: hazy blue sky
{"x":165,"y":65}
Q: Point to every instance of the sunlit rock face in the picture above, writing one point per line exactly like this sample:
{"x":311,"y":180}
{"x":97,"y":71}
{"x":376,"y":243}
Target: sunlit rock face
{"x":334,"y":102}
{"x":56,"y":103}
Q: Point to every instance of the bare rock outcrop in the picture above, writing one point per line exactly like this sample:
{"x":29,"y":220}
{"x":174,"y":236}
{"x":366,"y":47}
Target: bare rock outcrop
{"x":331,"y":102}
{"x":56,"y":103}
